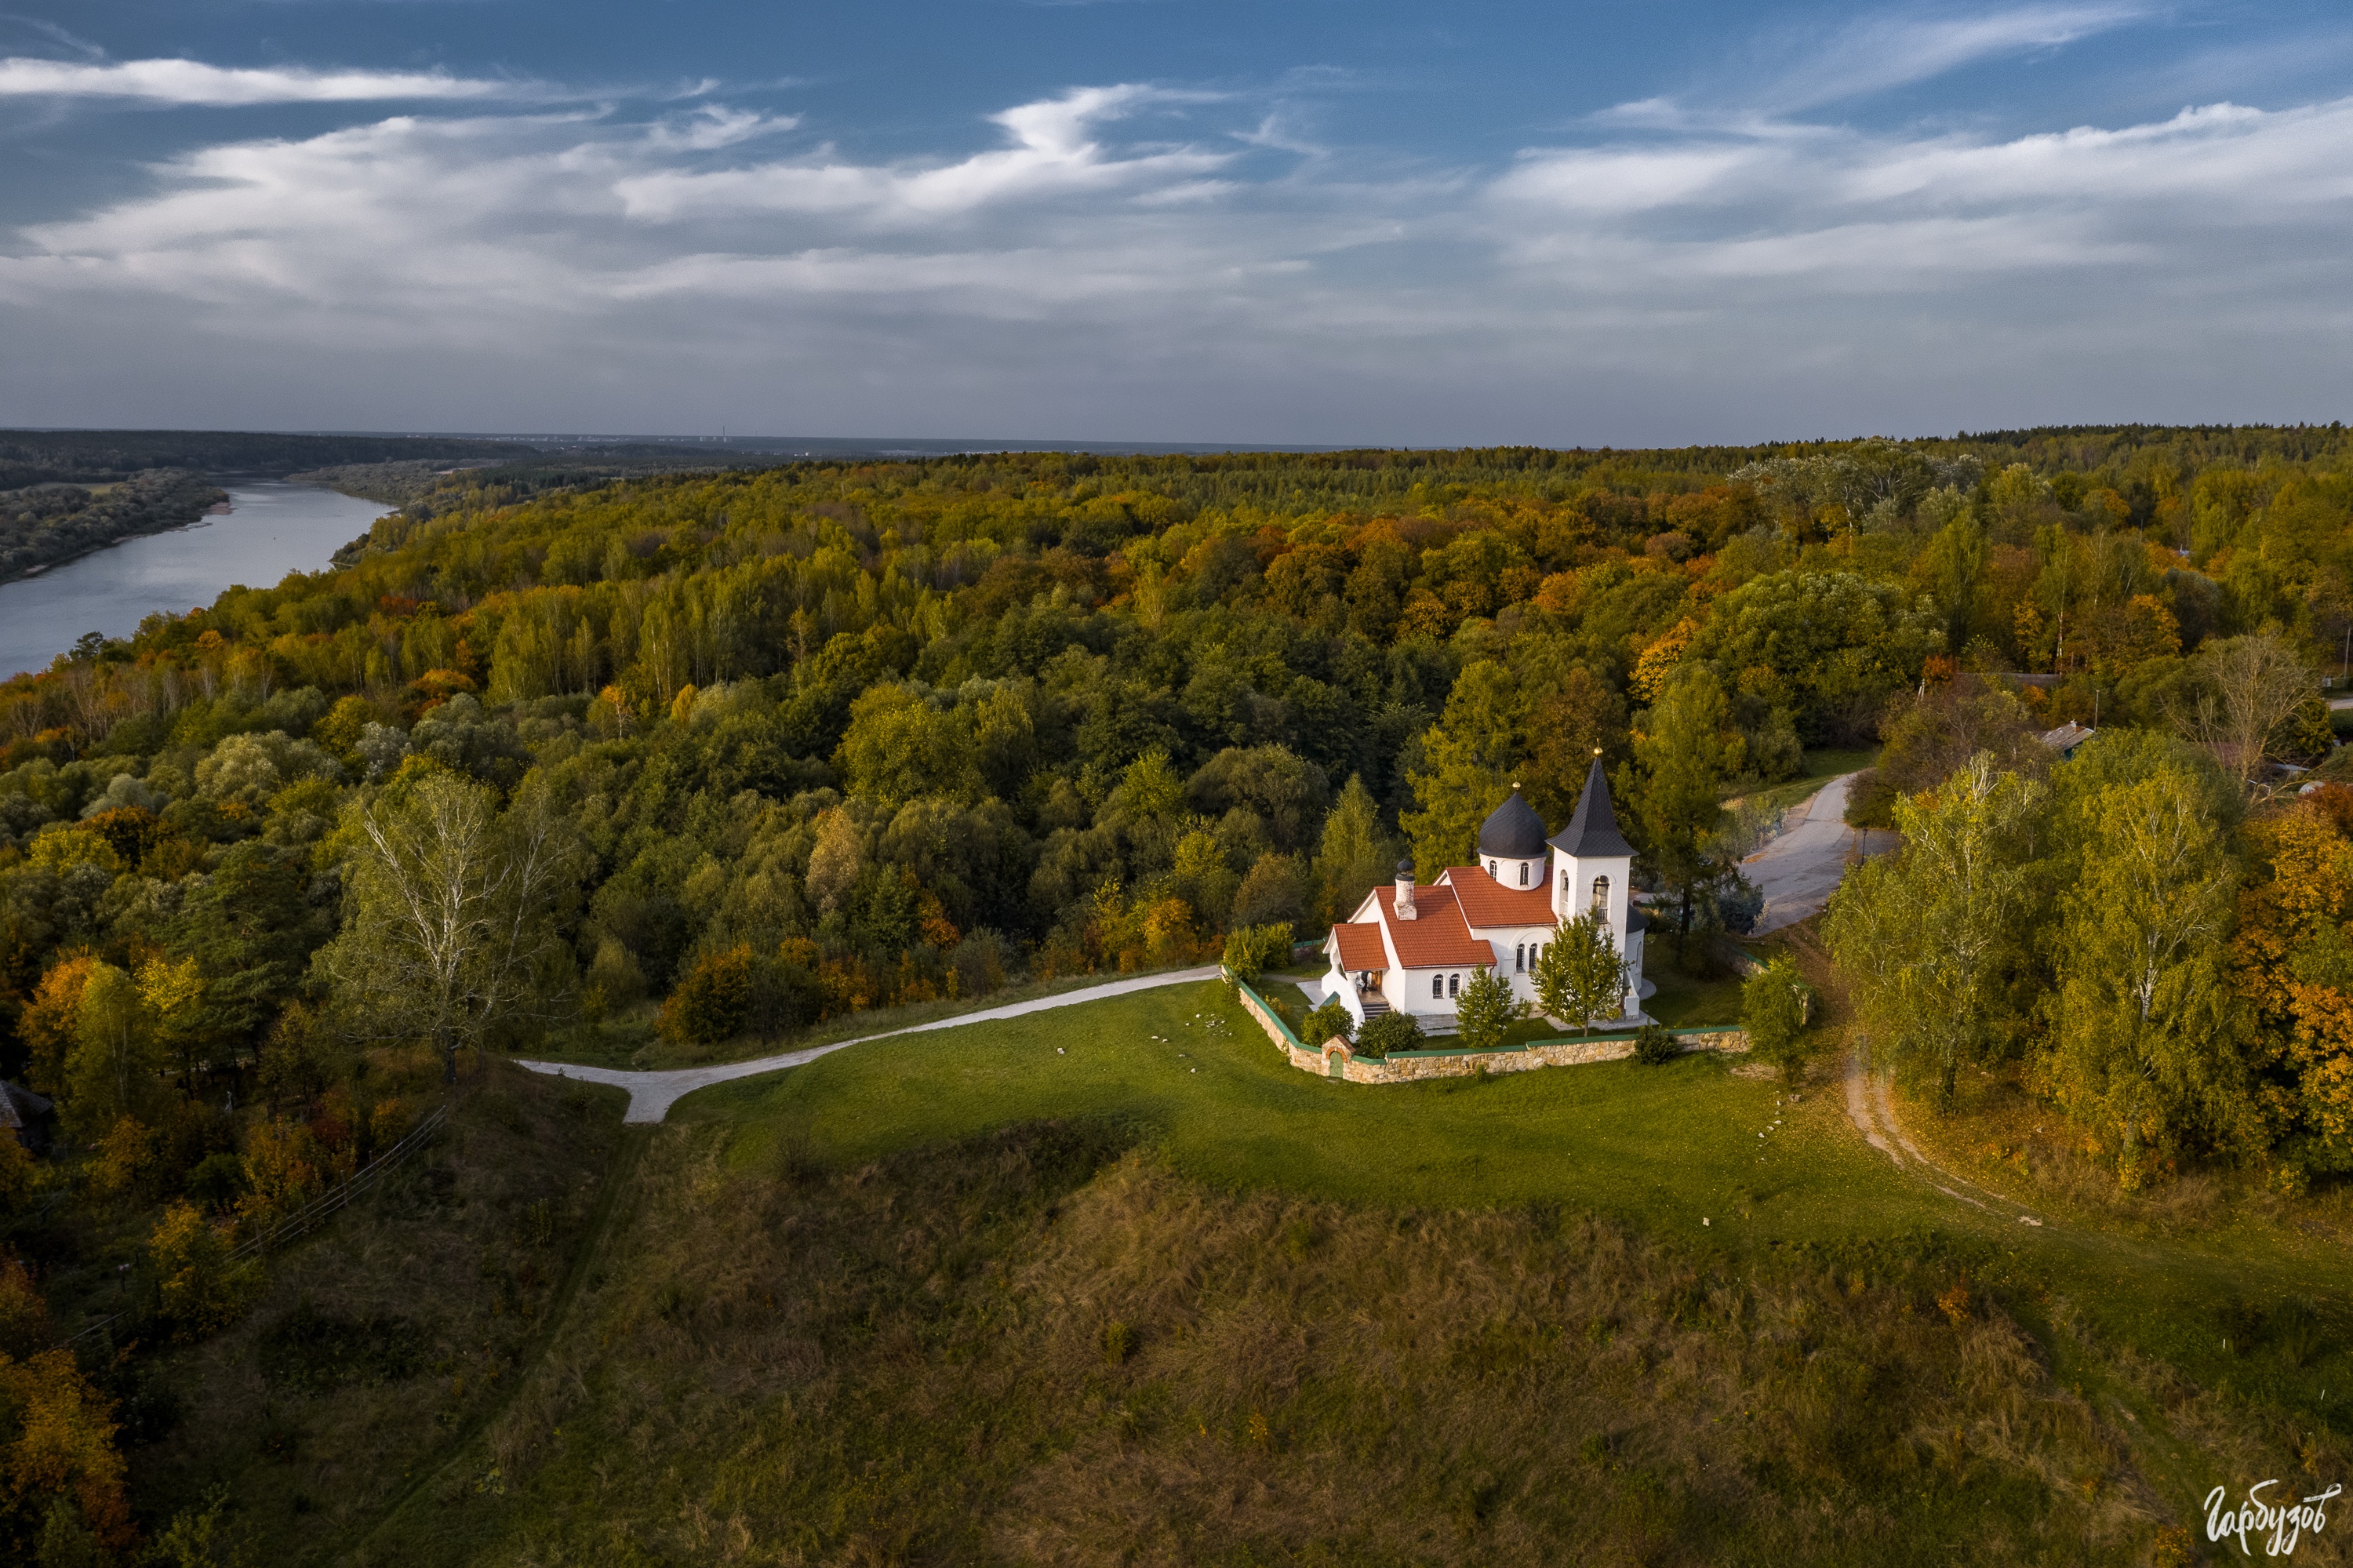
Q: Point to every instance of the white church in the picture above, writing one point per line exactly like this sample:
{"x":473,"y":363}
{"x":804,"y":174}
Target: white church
{"x":1410,"y":948}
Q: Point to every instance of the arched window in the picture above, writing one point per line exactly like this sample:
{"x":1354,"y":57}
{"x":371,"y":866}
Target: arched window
{"x":1601,"y":896}
{"x":1453,"y":985}
{"x":1490,"y":868}
{"x":1564,"y":884}
{"x":1438,"y":987}
{"x":1524,"y":873}
{"x":1520,"y":958}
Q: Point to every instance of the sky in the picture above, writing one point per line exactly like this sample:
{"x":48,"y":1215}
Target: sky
{"x":1261,"y":221}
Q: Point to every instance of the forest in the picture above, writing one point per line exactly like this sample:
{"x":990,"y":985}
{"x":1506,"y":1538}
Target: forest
{"x":706,"y":755}
{"x":47,"y":524}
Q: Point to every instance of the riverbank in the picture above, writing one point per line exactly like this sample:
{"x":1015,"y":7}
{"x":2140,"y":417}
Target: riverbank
{"x":45,"y":527}
{"x":271,"y":528}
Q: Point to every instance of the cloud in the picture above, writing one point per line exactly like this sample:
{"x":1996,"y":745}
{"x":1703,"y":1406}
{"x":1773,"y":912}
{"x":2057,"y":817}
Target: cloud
{"x":1131,"y":261}
{"x":1055,"y":150}
{"x":1807,"y":69}
{"x":1889,"y":51}
{"x":191,"y":82}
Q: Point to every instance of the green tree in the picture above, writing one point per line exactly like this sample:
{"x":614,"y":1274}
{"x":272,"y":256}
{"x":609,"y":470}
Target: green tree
{"x":1928,"y":937}
{"x":1486,"y":1010}
{"x":1467,"y":757}
{"x":1828,"y":646}
{"x":456,"y":914}
{"x":899,"y":747}
{"x":1773,"y":1007}
{"x":1355,"y":856}
{"x":1580,"y":976}
{"x":2146,"y":1050}
{"x":1682,"y":753}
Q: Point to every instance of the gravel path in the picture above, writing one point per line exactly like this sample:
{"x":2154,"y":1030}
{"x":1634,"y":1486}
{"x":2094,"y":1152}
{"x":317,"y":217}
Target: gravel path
{"x":1798,"y":869}
{"x":652,"y":1094}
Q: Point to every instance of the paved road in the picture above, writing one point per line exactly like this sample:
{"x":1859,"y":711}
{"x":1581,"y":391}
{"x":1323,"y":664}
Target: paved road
{"x":1798,"y":869}
{"x":652,"y":1094}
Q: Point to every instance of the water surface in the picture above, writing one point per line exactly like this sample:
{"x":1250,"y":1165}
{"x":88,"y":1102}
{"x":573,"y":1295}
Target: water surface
{"x":272,"y":528}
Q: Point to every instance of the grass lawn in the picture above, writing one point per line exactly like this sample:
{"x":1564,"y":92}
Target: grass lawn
{"x":628,"y":1041}
{"x":1818,"y":768}
{"x":1667,"y":1146}
{"x":1684,"y":1003}
{"x":1664,"y":1148}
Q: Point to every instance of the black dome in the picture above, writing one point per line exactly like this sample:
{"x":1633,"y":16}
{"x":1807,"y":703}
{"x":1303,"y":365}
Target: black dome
{"x":1514,"y":831}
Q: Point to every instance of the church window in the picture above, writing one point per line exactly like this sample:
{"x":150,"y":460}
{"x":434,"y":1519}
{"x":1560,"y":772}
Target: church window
{"x":1564,"y":884}
{"x":1438,"y":987}
{"x":1520,"y":957}
{"x":1453,"y":985}
{"x":1490,"y":868}
{"x":1601,"y":896}
{"x":1524,"y":873}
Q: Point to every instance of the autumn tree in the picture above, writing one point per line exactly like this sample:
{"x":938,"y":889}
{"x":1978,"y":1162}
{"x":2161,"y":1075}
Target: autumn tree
{"x":61,"y":1476}
{"x":454,"y":935}
{"x":2249,"y":688}
{"x":2291,"y":959}
{"x":115,"y":1071}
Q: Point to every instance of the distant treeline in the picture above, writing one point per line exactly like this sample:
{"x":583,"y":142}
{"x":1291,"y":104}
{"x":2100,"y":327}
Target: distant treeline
{"x":97,"y":457}
{"x":56,"y":523}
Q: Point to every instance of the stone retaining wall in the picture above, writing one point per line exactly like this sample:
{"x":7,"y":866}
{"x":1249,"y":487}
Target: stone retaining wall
{"x":1336,"y":1059}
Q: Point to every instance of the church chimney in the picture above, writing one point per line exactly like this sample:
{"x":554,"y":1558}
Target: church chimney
{"x":1404,"y":909}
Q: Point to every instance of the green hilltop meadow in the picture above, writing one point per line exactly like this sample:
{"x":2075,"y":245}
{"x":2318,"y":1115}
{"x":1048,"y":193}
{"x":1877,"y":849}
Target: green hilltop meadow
{"x":2032,"y":1235}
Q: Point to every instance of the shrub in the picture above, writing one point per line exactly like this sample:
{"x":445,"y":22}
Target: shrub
{"x":1773,"y":1007}
{"x":1329,"y":1020}
{"x":217,"y":1183}
{"x":1390,"y":1032}
{"x":713,"y":1002}
{"x":1655,"y":1043}
{"x":1251,"y":950}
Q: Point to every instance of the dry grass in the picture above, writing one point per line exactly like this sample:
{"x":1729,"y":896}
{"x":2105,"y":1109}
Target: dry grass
{"x":1036,"y":1348}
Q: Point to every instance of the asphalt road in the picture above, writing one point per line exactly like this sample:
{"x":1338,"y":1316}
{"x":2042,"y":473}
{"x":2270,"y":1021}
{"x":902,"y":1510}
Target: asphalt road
{"x":1798,"y":869}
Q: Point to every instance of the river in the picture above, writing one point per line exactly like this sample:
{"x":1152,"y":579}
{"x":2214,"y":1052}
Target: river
{"x":272,"y":528}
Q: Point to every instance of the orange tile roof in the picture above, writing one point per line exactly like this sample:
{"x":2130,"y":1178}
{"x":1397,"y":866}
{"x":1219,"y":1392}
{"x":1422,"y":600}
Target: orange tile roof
{"x":1487,"y":903}
{"x":1440,"y":938}
{"x":1360,"y":947}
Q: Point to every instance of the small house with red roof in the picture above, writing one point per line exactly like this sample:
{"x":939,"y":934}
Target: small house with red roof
{"x":1410,"y":947}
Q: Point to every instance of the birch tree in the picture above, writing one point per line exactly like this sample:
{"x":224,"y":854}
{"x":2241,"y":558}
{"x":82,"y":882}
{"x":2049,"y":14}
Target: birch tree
{"x":2143,"y":1053}
{"x":1926,"y":936}
{"x":2250,"y":688}
{"x":454,"y":937}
